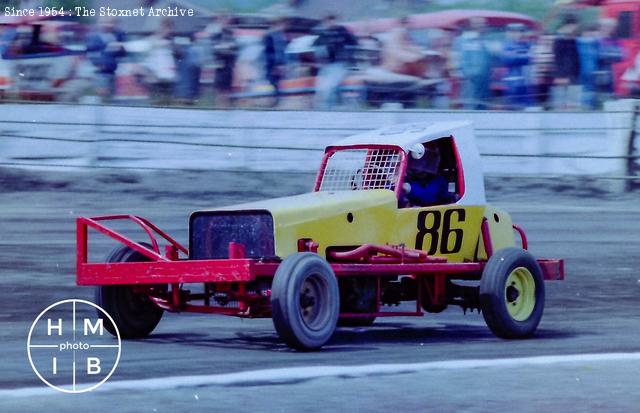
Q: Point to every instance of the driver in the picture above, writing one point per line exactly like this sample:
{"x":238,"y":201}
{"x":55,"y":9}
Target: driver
{"x":423,"y":185}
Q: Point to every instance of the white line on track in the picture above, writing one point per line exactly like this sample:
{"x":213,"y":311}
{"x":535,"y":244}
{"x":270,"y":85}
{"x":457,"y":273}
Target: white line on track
{"x":284,"y":375}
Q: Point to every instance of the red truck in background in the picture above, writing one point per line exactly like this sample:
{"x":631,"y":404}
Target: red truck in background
{"x":627,"y":15}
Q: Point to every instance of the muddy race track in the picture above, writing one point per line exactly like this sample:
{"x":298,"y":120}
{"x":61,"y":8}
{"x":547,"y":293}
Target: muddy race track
{"x":585,"y":356}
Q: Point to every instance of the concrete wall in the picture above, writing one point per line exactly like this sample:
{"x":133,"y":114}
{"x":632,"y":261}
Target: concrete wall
{"x":131,"y":137}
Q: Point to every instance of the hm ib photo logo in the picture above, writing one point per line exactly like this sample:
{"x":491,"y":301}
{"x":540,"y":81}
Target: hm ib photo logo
{"x":69,"y":349}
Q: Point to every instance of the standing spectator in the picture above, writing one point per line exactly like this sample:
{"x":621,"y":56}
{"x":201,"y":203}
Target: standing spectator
{"x":160,"y":64}
{"x":588,"y":51}
{"x":104,"y":49}
{"x":438,"y":70}
{"x":401,"y":55}
{"x":275,"y":43}
{"x":369,"y":50}
{"x":566,"y":90}
{"x":542,"y":70}
{"x":7,"y":34}
{"x":516,"y":58}
{"x":334,"y":50}
{"x":225,"y":53}
{"x":474,"y":65}
{"x":610,"y":52}
{"x":188,"y":67}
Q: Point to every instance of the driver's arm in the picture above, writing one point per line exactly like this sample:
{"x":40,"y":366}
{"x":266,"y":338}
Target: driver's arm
{"x":431,"y":193}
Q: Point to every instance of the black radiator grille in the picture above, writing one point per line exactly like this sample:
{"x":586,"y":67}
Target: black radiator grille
{"x":211,"y":232}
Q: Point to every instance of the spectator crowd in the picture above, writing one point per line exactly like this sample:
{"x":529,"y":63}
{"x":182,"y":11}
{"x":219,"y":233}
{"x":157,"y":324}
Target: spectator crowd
{"x":569,"y":69}
{"x":470,"y":68}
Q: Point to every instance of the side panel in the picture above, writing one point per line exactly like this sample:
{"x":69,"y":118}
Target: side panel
{"x":349,"y":227}
{"x":451,"y":231}
{"x":500,"y":229}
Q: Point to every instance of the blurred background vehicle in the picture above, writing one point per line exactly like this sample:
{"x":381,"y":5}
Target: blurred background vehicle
{"x":43,"y":59}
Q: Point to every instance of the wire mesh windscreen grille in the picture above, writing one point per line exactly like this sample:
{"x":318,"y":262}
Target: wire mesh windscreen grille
{"x":361,"y":169}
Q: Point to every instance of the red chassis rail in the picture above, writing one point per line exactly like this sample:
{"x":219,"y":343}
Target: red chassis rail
{"x":367,"y":260}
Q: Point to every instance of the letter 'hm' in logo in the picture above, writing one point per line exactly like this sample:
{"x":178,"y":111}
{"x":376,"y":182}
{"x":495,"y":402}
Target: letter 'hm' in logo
{"x":69,"y":349}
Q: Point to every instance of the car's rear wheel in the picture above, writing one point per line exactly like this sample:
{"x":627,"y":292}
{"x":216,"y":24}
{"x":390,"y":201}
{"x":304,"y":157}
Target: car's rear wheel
{"x":135,"y":315}
{"x":305,"y":301}
{"x":512,"y":293}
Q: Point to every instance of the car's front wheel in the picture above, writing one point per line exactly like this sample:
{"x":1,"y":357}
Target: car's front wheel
{"x":512,"y":293}
{"x":305,"y":301}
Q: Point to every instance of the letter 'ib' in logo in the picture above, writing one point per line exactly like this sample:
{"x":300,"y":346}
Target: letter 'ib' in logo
{"x":68,"y":348}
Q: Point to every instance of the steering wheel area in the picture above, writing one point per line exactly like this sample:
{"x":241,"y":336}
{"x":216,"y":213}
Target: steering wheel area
{"x":372,"y":177}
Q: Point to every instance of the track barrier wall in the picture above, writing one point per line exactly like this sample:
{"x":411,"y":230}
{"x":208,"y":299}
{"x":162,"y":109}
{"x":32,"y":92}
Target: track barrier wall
{"x":536,"y":144}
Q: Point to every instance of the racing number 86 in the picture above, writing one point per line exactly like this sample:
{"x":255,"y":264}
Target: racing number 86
{"x":437,"y":238}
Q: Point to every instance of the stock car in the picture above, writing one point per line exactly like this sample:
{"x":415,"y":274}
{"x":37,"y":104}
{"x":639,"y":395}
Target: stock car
{"x":345,"y":254}
{"x":43,"y":59}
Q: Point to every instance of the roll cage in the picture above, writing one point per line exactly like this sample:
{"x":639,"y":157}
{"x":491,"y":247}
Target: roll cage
{"x":366,"y":167}
{"x":362,"y":167}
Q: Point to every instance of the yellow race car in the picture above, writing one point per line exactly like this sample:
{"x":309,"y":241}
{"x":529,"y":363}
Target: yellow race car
{"x":397,"y":214}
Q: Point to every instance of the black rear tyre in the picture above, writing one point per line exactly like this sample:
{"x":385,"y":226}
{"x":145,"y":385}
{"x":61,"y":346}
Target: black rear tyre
{"x":512,"y":293}
{"x":305,"y":301}
{"x":135,"y":315}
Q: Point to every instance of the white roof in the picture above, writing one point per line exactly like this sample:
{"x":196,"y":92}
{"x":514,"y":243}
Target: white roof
{"x":409,"y":134}
{"x":406,"y":135}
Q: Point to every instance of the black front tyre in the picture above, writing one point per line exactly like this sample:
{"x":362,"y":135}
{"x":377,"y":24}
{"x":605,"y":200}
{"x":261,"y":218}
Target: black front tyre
{"x":305,"y":301}
{"x":512,"y":293}
{"x":135,"y":314}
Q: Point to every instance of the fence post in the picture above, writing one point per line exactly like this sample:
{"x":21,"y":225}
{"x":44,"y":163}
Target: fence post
{"x":98,"y":122}
{"x":632,"y":155}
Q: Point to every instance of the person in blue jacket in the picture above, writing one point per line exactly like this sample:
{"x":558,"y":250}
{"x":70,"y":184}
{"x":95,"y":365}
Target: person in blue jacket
{"x":610,"y":52}
{"x":424,"y":185}
{"x":275,"y":43}
{"x":104,"y":49}
{"x":588,"y":50}
{"x":475,"y":64}
{"x":516,"y":58}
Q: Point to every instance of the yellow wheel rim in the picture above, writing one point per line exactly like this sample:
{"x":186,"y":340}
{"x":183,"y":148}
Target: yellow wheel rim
{"x":520,"y":294}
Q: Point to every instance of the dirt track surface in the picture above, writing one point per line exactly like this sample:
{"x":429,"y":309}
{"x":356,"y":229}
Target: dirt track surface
{"x":594,"y":311}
